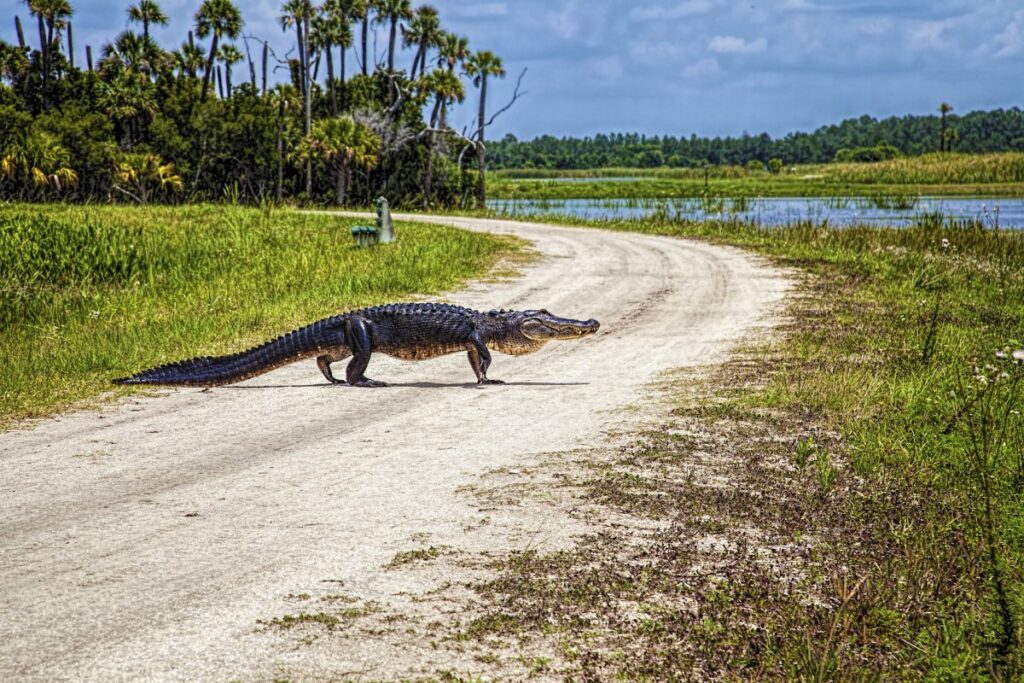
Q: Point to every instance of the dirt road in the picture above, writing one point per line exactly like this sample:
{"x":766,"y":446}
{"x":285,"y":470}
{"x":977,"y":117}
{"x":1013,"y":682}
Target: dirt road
{"x":148,"y":540}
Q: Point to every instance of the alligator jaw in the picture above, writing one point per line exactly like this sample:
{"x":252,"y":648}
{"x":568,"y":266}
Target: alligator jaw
{"x":543,"y":326}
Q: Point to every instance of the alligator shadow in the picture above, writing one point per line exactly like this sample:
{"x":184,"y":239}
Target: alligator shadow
{"x":412,"y":385}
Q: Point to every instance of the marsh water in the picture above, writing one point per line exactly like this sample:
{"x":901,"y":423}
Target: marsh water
{"x":772,"y":211}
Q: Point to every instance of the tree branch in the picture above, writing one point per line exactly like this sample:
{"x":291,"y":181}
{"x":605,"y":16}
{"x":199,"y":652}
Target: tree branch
{"x":515,"y":96}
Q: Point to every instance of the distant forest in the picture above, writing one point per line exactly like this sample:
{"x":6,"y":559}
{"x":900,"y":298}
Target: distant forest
{"x":1000,"y":130}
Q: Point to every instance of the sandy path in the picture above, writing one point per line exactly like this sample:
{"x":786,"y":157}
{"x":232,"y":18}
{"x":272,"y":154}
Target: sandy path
{"x":146,"y":540}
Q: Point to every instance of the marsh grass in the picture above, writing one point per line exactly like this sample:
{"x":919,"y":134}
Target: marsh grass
{"x":91,"y":293}
{"x":894,"y":183}
{"x":896,"y":528}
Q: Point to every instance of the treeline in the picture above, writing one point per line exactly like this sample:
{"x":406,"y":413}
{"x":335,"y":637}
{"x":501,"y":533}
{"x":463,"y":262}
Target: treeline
{"x":1000,"y":130}
{"x":139,"y":121}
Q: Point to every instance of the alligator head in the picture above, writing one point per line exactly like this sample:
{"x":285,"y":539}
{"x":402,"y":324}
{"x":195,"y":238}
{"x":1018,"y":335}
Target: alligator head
{"x":526,"y":331}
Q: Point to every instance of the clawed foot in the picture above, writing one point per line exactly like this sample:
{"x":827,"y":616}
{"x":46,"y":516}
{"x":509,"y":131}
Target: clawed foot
{"x":490,"y":381}
{"x":369,"y":383}
{"x":333,"y":380}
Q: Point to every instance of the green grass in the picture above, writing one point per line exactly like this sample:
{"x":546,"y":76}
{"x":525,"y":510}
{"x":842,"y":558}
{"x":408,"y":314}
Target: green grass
{"x":92,"y":293}
{"x":896,"y":388}
{"x":995,"y":175}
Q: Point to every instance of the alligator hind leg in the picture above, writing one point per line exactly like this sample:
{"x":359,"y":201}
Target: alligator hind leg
{"x":357,"y":338}
{"x":324,"y":361}
{"x":480,"y":359}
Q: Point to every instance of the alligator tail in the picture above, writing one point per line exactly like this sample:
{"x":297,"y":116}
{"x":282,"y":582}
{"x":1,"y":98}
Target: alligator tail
{"x":216,"y":370}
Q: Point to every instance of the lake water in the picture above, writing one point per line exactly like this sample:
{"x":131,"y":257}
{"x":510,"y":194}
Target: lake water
{"x":1002,"y":213}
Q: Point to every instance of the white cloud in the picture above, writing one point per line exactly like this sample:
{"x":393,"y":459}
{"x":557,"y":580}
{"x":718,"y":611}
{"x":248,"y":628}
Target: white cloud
{"x":677,"y":11}
{"x":703,"y":67}
{"x":656,"y":53}
{"x":565,"y":23}
{"x":1010,"y":41}
{"x":928,"y":35}
{"x":480,"y":10}
{"x":737,"y":45}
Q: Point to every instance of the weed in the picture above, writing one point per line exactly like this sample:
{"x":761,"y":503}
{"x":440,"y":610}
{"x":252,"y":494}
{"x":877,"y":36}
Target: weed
{"x":414,"y":556}
{"x":806,"y":449}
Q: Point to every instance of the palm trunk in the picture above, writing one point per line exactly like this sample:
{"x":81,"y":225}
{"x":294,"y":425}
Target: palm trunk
{"x":480,"y":152}
{"x":252,"y":65}
{"x":88,"y":57}
{"x":341,"y":65}
{"x":209,"y":67}
{"x":21,"y":33}
{"x":280,"y":151}
{"x":942,"y":134}
{"x":330,"y":81}
{"x":71,"y":47}
{"x":391,"y":45}
{"x":227,"y":74}
{"x":366,"y":29}
{"x":309,"y":109}
{"x":44,"y":53}
{"x":316,"y":67}
{"x":265,"y":49}
{"x":416,"y":61}
{"x":302,"y":54}
{"x":220,"y":83}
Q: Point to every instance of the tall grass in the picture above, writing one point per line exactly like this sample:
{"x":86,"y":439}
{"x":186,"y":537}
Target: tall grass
{"x":933,"y":169}
{"x":999,"y":174}
{"x":905,"y":348}
{"x":88,"y":293}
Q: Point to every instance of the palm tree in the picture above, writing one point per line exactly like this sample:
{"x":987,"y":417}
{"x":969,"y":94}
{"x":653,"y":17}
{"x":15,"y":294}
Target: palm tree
{"x":127,"y":99}
{"x":452,"y":50}
{"x":299,"y":13}
{"x":944,"y":109}
{"x":129,"y":51}
{"x":448,"y":89}
{"x":229,"y":54}
{"x":392,"y":11}
{"x":340,"y":142}
{"x":140,"y":176}
{"x":189,"y":59}
{"x":13,"y":62}
{"x":52,"y":16}
{"x":361,"y":10}
{"x":39,"y":160}
{"x":217,"y":18}
{"x":147,"y":12}
{"x":481,"y":66}
{"x":330,"y":29}
{"x":295,"y":14}
{"x":951,"y":136}
{"x":424,"y":32}
{"x":343,"y":13}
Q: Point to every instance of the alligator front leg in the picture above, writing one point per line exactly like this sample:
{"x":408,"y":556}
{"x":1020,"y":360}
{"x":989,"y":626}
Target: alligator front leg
{"x":357,"y":338}
{"x":324,"y":363}
{"x":480,"y":359}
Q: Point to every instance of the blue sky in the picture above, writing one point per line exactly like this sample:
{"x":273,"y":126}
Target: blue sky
{"x":710,"y":67}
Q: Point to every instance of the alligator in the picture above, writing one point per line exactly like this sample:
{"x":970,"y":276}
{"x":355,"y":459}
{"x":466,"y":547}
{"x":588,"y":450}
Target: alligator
{"x":411,"y":331}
